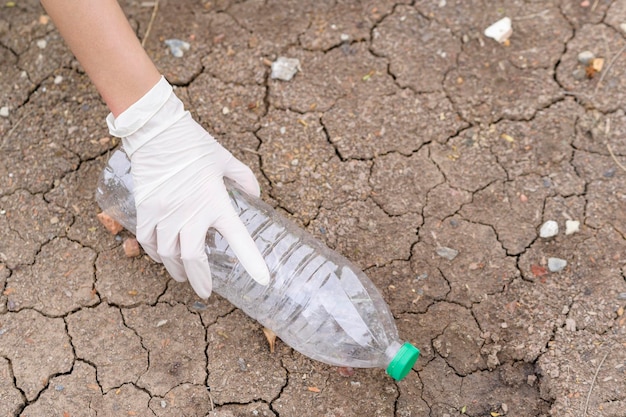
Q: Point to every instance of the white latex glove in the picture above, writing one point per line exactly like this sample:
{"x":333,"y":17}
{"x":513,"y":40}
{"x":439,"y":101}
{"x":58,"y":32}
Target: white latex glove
{"x":178,"y":171}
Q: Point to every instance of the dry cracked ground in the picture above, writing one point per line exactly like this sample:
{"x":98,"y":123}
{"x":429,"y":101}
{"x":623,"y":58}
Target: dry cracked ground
{"x":417,"y":147}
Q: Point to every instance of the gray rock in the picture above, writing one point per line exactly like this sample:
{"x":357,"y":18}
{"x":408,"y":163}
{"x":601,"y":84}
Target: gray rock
{"x":556,"y":264}
{"x":549,"y":229}
{"x":586,"y":57}
{"x":447,"y":253}
{"x":285,"y":68}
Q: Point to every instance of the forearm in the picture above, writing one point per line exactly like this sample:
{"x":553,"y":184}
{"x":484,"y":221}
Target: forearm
{"x":102,"y":40}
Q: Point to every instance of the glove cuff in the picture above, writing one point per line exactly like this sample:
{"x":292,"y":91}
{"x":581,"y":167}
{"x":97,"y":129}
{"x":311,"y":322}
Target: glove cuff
{"x":158,"y":109}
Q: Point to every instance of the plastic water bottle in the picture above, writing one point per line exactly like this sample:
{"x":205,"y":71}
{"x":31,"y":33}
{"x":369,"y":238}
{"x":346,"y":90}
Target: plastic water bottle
{"x":317,"y":302}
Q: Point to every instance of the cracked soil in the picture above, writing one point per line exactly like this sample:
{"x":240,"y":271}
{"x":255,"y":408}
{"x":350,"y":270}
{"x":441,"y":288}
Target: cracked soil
{"x":405,"y":132}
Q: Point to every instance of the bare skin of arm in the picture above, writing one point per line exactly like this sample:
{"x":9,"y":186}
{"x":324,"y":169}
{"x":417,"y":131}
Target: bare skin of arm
{"x":99,"y":35}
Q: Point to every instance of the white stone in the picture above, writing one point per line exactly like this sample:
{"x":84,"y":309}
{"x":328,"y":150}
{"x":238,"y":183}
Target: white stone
{"x":556,"y":264}
{"x":285,"y":68}
{"x":4,"y":111}
{"x":500,"y":30}
{"x":58,"y":79}
{"x":622,"y":26}
{"x":571,"y":226}
{"x":42,"y":43}
{"x":447,"y":253}
{"x":570,"y":324}
{"x":585,"y":57}
{"x":549,"y":229}
{"x":177,"y":47}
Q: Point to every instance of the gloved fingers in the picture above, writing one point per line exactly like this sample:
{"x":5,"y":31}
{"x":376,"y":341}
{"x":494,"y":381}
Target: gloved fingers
{"x":176,"y":268}
{"x":168,"y":248}
{"x":243,"y":175}
{"x":242,"y":244}
{"x":146,"y":236}
{"x":194,"y":257}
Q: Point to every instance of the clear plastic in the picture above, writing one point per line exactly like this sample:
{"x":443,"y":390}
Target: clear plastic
{"x":317,"y":301}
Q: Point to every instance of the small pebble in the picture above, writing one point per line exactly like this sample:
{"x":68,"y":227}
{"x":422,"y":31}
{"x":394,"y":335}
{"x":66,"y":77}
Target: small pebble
{"x":109,"y":223}
{"x":163,"y":404}
{"x":586,"y":57}
{"x":570,"y":324}
{"x":622,"y":26}
{"x":177,"y":47}
{"x":58,"y":79}
{"x":345,"y":371}
{"x":571,"y":226}
{"x":59,"y":388}
{"x":4,"y":111}
{"x":579,"y":74}
{"x":447,"y":253}
{"x":500,"y":30}
{"x":597,"y":64}
{"x":345,"y":37}
{"x":621,"y":296}
{"x":54,"y":220}
{"x":531,"y":380}
{"x":131,"y":247}
{"x":285,"y":68}
{"x":549,"y":229}
{"x":610,"y":173}
{"x":556,"y":264}
{"x":199,"y":306}
{"x":42,"y":43}
{"x":547,"y":182}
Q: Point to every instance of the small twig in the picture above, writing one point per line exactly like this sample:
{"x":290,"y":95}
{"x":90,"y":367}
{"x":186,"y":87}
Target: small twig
{"x":595,"y":4}
{"x":154,"y":12}
{"x":251,"y":151}
{"x":593,"y":381}
{"x":211,"y":400}
{"x":608,"y":68}
{"x":532,"y":16}
{"x":614,"y":158}
{"x":6,"y":137}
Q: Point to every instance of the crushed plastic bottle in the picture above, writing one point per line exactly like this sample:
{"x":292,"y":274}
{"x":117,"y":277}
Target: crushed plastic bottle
{"x":317,"y":302}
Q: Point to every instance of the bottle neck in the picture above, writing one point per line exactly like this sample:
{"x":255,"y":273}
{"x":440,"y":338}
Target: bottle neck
{"x":391,"y":352}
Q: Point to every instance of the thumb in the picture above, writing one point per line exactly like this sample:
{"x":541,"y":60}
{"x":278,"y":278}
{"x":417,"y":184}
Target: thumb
{"x":242,"y":175}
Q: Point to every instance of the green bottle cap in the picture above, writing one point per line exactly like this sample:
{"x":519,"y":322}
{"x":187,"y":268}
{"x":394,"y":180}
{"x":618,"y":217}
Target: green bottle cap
{"x":404,"y":360}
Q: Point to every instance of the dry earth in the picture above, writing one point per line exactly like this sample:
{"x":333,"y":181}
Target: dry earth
{"x":407,"y":131}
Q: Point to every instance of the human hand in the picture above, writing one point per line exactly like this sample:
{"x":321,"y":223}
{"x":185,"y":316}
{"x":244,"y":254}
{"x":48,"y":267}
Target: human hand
{"x":178,"y":174}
